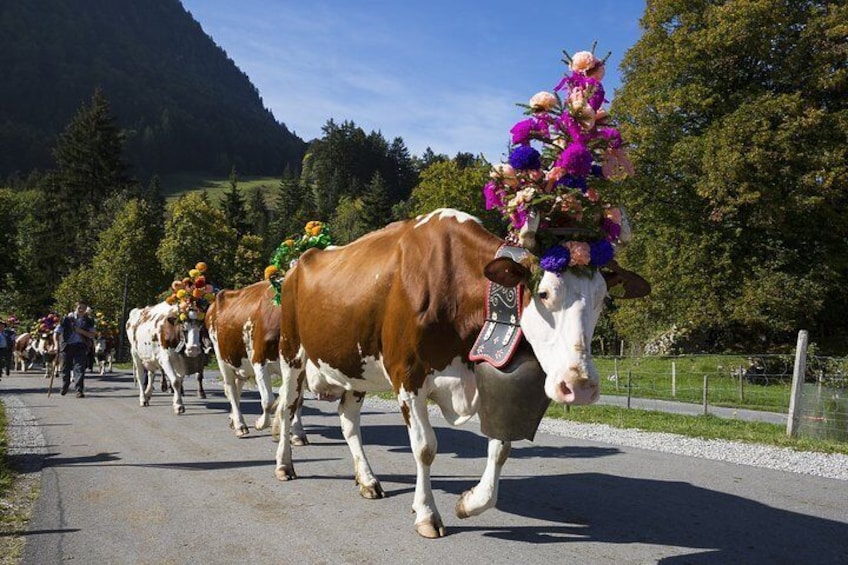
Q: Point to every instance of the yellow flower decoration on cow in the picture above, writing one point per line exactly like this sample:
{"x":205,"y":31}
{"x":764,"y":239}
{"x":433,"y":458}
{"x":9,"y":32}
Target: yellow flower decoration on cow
{"x":104,"y":326}
{"x":316,"y":234}
{"x":193,"y":294}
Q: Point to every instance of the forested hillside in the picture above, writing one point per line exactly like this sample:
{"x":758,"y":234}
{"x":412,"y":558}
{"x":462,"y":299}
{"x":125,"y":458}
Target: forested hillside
{"x":183,"y":103}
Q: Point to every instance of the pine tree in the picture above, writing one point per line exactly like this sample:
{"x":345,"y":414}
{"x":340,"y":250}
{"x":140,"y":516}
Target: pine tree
{"x":376,"y":208}
{"x":257,"y":214}
{"x":233,"y":206}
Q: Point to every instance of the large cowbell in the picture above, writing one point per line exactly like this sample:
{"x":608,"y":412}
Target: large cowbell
{"x":512,"y":398}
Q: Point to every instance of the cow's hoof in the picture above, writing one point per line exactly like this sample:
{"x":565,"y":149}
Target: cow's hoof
{"x":299,"y":441}
{"x":179,"y":410}
{"x":460,"y":510}
{"x":242,"y":431}
{"x":201,"y":394}
{"x":431,"y":530}
{"x":284,"y":473}
{"x":372,"y":492}
{"x":145,"y":403}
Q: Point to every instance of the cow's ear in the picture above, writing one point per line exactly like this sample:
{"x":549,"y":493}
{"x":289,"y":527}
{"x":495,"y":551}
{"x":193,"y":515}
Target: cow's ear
{"x":632,"y":285}
{"x":506,"y":272}
{"x":172,"y":320}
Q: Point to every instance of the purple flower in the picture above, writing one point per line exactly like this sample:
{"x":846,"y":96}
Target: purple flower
{"x":492,"y":196}
{"x":525,"y":157}
{"x":611,"y":135}
{"x":568,"y":124}
{"x":525,"y":130}
{"x":572,"y":181}
{"x":555,"y":259}
{"x":519,"y":217}
{"x":576,"y":160}
{"x":613,"y":230}
{"x":597,"y":100}
{"x":601,"y":252}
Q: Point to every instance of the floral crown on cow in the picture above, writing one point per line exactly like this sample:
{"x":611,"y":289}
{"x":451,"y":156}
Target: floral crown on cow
{"x":561,"y":155}
{"x":316,"y":234}
{"x":47,"y":323}
{"x":193,"y":294}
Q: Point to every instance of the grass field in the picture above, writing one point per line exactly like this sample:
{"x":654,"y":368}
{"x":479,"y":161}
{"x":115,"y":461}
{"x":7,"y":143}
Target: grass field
{"x":173,"y":186}
{"x":651,"y":377}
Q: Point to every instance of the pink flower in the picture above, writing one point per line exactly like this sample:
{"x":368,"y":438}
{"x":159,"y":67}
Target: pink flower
{"x":543,"y":102}
{"x":505,"y":173}
{"x":580,"y":252}
{"x":554,"y":174}
{"x":592,"y":194}
{"x":583,"y":61}
{"x":613,"y":214}
{"x":616,"y":164}
{"x":493,"y":197}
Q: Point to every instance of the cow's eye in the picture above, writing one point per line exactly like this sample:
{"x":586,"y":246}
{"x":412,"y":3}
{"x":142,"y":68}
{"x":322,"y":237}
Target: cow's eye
{"x":543,"y":295}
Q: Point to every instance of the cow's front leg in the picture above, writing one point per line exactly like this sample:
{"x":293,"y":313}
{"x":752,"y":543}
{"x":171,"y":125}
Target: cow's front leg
{"x":350,"y":408}
{"x":201,"y":393}
{"x":289,"y":397}
{"x":485,"y":494}
{"x":422,"y":438}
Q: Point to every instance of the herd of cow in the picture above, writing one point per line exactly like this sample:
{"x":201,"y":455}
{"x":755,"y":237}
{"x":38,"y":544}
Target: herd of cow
{"x":40,"y":347}
{"x":397,"y":310}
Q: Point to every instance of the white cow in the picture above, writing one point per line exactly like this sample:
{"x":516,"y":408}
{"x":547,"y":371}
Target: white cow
{"x":104,"y":353}
{"x":46,"y":348}
{"x":159,"y":341}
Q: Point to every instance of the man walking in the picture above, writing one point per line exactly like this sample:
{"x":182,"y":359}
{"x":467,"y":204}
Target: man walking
{"x":7,"y":346}
{"x":77,"y":335}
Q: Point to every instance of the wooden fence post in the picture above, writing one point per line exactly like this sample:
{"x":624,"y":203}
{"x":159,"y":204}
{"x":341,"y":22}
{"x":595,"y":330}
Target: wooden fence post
{"x":797,"y":382}
{"x":706,"y":393}
{"x":629,"y":388}
{"x":741,"y":385}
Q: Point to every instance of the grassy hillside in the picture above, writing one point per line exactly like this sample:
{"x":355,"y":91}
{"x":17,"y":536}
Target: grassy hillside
{"x":173,"y":186}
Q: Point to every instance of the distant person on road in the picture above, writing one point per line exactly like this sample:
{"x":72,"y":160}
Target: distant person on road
{"x":7,"y":346}
{"x":77,"y":338}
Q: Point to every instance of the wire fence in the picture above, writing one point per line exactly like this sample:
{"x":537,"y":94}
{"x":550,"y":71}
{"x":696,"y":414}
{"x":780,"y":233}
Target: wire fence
{"x":761,"y":382}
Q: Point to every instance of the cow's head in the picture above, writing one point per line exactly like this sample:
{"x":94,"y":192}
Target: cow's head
{"x":100,"y":345}
{"x":559,"y":320}
{"x":189,"y":328}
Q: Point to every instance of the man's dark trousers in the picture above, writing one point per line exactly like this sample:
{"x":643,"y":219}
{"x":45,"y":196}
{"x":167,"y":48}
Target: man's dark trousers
{"x":76,"y":358}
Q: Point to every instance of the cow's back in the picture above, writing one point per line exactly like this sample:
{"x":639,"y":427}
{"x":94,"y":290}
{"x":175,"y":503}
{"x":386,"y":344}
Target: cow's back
{"x":411,"y":294}
{"x":242,"y":319}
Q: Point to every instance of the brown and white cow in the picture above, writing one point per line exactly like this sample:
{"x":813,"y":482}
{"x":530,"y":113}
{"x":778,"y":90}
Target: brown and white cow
{"x":160,"y":341}
{"x":47,"y":350}
{"x":24,"y":352}
{"x":399,"y":309}
{"x":104,"y":353}
{"x":244,"y":326}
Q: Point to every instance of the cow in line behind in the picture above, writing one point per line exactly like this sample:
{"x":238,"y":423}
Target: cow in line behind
{"x":104,"y":353}
{"x":24,"y":352}
{"x":244,"y":326}
{"x":160,"y":341}
{"x":399,"y":309}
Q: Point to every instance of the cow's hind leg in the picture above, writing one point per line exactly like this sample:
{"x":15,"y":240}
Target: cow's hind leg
{"x":232,"y":390}
{"x":350,"y":408}
{"x":422,"y":438}
{"x":484,"y":495}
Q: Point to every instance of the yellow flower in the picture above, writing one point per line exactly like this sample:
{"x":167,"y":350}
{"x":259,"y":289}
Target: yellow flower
{"x":181,"y":293}
{"x":183,"y":317}
{"x":270,"y":271}
{"x":201,"y":267}
{"x":194,"y":273}
{"x":289,"y":243}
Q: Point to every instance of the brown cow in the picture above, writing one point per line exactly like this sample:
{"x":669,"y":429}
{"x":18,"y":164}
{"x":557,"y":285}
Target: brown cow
{"x":399,"y":309}
{"x":244,"y":326}
{"x":24,"y":352}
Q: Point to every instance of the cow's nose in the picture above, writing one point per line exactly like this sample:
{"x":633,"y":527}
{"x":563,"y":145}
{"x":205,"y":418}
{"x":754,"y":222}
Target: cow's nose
{"x":192,"y":350}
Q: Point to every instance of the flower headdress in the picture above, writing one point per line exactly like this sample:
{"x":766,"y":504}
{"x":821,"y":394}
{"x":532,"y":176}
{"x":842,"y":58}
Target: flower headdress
{"x":48,"y":323}
{"x":316,"y":234}
{"x":193,"y":294}
{"x":560,"y":155}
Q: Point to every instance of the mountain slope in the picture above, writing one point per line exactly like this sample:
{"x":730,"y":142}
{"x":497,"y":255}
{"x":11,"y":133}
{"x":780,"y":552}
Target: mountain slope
{"x":183,"y":102}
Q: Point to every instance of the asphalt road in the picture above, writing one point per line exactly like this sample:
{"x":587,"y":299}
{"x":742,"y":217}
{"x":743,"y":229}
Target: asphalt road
{"x":125,"y":484}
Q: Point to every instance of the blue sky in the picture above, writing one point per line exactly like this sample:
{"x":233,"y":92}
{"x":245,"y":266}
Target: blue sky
{"x":439,"y":74}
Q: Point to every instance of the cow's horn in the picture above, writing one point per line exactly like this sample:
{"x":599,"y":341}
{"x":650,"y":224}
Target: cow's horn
{"x":527,"y":234}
